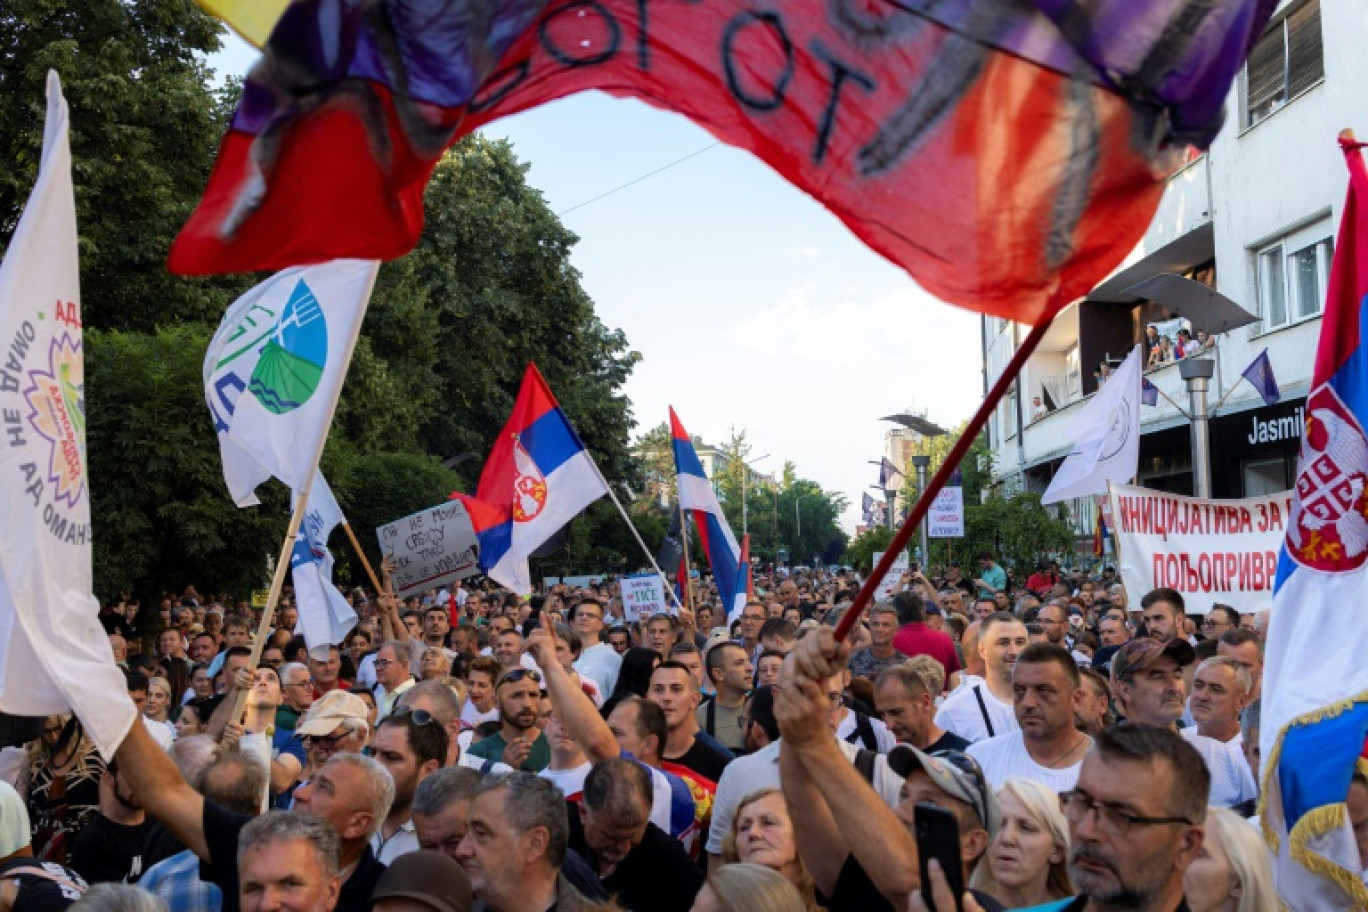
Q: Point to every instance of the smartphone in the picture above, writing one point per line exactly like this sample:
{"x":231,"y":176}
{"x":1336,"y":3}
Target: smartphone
{"x":938,"y":837}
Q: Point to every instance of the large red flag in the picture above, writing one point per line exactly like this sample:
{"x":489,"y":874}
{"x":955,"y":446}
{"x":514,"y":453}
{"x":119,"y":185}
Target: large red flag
{"x":1008,"y":155}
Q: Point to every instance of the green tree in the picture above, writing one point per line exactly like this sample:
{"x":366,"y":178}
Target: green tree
{"x":862,"y":548}
{"x":144,"y":127}
{"x":1017,"y":530}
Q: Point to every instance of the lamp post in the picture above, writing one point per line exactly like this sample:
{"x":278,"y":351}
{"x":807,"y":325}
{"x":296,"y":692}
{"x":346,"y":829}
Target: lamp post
{"x":920,"y":463}
{"x":1197,"y":372}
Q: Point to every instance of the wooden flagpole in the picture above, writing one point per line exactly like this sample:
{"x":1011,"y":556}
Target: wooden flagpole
{"x":277,"y":583}
{"x":942,"y":477}
{"x":370,"y":571}
{"x":635,"y":534}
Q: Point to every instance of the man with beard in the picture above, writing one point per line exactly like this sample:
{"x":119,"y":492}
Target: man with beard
{"x":520,"y":742}
{"x":1047,"y":748}
{"x":411,"y":745}
{"x":1147,"y":680}
{"x":1136,"y":822}
{"x":109,"y":849}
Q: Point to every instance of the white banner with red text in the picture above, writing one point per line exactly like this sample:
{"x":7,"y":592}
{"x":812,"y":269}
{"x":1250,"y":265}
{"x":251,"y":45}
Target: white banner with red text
{"x":1212,"y":551}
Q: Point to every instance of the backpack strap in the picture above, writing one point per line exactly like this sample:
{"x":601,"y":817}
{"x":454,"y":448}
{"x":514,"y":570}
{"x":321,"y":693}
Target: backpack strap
{"x":864,"y":762}
{"x":37,"y":871}
{"x":864,"y":730}
{"x":711,"y":715}
{"x":983,"y":708}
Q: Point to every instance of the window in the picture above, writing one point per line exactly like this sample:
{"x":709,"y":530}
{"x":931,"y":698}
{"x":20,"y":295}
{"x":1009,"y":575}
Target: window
{"x":1267,"y":475}
{"x":1293,"y":274}
{"x":1285,"y":62}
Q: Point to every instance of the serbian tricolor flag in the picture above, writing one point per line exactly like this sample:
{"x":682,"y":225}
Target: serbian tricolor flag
{"x":1315,"y":694}
{"x":1007,"y":155}
{"x":697,"y":496}
{"x":537,"y":478}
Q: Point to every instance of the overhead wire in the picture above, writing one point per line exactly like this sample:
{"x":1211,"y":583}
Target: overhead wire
{"x":637,"y":180}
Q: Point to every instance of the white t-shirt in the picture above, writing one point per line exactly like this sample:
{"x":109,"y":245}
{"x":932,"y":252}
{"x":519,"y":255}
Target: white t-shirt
{"x":760,"y":770}
{"x":1231,"y":780}
{"x":961,"y":714}
{"x":602,"y":663}
{"x":569,"y":781}
{"x":883,"y":738}
{"x":1005,"y":757}
{"x":472,"y":717}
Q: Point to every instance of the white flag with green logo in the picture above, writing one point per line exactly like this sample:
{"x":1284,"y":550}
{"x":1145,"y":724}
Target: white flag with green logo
{"x":275,"y":368}
{"x":54,"y":655}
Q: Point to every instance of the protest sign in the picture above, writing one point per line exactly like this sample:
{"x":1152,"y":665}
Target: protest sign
{"x":1211,"y":551}
{"x":431,"y":548}
{"x":643,"y":596}
{"x":901,"y":564}
{"x":946,"y":518}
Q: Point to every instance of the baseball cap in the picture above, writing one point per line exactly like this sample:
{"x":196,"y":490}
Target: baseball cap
{"x":933,"y":609}
{"x":955,"y":773}
{"x":1139,"y":654}
{"x":426,"y":877}
{"x":330,"y":711}
{"x":1101,"y":659}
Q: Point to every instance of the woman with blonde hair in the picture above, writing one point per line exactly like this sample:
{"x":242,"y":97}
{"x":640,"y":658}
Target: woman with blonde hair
{"x":744,"y":887}
{"x":1232,"y":873}
{"x":762,"y":834}
{"x":1026,"y":863}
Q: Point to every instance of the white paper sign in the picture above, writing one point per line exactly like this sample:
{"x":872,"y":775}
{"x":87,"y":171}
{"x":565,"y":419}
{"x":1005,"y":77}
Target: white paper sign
{"x":946,"y":517}
{"x":643,"y":596}
{"x":1211,"y":551}
{"x":432,"y":547}
{"x":901,"y":564}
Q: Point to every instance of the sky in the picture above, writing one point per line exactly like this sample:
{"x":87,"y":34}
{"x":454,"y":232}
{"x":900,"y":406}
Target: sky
{"x":751,"y":305}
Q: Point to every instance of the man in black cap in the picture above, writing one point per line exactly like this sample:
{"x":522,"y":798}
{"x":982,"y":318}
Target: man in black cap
{"x":1147,"y":680}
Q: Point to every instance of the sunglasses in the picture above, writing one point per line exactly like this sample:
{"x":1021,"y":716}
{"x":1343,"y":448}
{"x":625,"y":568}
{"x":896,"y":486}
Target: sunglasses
{"x":516,"y":675}
{"x":420,"y":717}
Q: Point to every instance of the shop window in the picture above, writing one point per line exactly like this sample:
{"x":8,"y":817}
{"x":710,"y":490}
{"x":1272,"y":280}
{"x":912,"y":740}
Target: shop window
{"x":1284,"y":63}
{"x":1266,"y":475}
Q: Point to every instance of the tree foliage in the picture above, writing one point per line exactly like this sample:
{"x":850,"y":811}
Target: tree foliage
{"x":449,"y":332}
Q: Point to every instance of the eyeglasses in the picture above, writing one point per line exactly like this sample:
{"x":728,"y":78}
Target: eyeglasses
{"x":382,"y":664}
{"x":307,"y":682}
{"x":515,"y":675}
{"x":328,"y":742}
{"x":1212,"y":622}
{"x":1111,"y":819}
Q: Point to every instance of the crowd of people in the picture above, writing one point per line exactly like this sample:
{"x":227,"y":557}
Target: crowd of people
{"x":468,"y":748}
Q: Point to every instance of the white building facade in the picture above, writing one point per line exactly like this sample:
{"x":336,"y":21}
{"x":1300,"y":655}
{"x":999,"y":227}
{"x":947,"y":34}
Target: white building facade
{"x":1255,"y":218}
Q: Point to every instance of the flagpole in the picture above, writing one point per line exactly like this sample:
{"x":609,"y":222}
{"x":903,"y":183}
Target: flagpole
{"x":297,"y":517}
{"x":1180,"y":409}
{"x":665,"y":583}
{"x":1220,"y":402}
{"x":277,"y":583}
{"x":687,"y":582}
{"x":942,"y":476}
{"x":370,"y":571}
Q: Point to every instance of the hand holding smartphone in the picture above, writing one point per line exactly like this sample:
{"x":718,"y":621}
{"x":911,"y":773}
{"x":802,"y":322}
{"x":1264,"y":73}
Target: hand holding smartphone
{"x":937,"y":834}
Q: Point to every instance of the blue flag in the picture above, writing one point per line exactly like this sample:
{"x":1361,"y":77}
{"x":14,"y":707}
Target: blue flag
{"x":886,"y":472}
{"x":1149,"y":393}
{"x":1260,"y":376}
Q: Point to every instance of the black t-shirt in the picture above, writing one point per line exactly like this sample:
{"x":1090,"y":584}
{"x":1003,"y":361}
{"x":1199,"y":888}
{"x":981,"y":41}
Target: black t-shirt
{"x":949,"y":741}
{"x":52,"y":892}
{"x":656,"y":876}
{"x":221,"y":830}
{"x":109,"y":852}
{"x":703,"y":759}
{"x":855,"y":892}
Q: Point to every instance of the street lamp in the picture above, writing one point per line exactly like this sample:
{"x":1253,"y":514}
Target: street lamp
{"x":919,"y":425}
{"x":745,"y":483}
{"x":920,"y":463}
